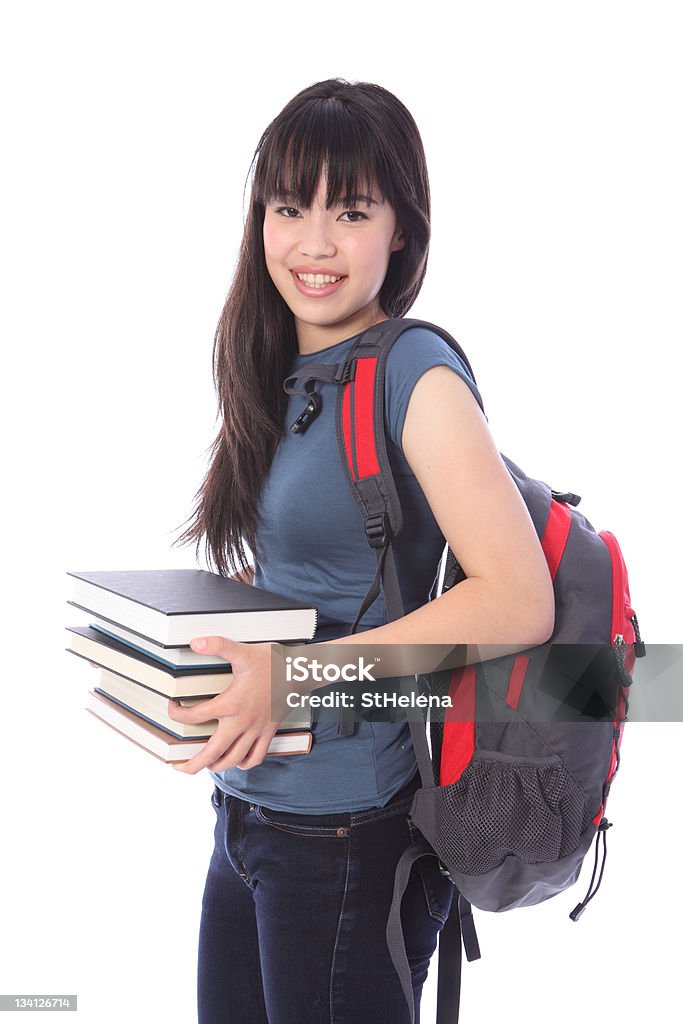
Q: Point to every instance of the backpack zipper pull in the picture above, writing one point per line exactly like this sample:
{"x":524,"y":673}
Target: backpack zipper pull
{"x":619,"y":648}
{"x":639,"y":646}
{"x":580,"y":907}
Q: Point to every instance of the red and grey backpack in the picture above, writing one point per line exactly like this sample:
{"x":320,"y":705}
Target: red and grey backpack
{"x":515,"y":775}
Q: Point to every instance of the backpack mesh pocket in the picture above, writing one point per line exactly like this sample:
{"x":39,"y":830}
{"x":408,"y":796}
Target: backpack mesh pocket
{"x":530,"y":809}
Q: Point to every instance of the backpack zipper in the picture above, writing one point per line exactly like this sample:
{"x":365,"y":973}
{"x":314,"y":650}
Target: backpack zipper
{"x":618,"y":588}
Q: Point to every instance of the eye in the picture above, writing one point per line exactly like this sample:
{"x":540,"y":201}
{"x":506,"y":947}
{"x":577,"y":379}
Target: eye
{"x":355,"y":213}
{"x":285,"y":211}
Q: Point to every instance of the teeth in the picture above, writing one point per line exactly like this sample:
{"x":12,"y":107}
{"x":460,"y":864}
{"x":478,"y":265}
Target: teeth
{"x":318,"y":280}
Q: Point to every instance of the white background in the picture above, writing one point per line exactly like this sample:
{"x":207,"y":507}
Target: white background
{"x":552,"y":133}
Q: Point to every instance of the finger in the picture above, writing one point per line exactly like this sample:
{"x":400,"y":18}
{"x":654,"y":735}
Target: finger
{"x":257,"y":754}
{"x":235,"y":754}
{"x":210,"y":752}
{"x":188,"y":767}
{"x":245,"y":763}
{"x":196,"y":714}
{"x":217,"y":646}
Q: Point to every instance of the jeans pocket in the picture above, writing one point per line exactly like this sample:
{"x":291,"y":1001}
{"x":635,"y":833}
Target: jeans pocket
{"x":321,"y":826}
{"x":438,"y":889}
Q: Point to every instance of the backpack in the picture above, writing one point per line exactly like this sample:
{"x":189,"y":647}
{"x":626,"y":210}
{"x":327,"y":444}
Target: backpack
{"x":516,"y":773}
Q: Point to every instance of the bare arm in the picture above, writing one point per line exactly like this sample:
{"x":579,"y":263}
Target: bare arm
{"x":507,"y":599}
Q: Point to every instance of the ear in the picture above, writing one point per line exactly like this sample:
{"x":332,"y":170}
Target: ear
{"x":398,"y":241}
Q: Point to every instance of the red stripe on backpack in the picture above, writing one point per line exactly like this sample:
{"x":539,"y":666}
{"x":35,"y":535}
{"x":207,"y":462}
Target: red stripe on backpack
{"x":458,"y":731}
{"x":363,"y":410}
{"x":519,"y":667}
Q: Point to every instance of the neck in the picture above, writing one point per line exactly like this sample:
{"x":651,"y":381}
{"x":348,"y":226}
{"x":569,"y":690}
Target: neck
{"x":313,"y":338}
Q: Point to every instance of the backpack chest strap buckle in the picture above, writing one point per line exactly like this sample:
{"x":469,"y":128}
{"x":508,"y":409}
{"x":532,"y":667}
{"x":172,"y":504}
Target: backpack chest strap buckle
{"x":378,"y":530}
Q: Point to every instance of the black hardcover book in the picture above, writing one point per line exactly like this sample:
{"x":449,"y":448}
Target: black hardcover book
{"x":173,"y":606}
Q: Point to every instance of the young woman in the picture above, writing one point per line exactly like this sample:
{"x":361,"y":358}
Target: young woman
{"x":300,"y":881}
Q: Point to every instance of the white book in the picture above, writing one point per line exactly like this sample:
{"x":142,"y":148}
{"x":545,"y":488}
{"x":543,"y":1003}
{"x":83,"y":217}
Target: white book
{"x":170,"y":749}
{"x":154,"y":705}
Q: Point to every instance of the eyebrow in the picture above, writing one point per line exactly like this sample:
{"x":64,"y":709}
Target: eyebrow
{"x":352,"y":201}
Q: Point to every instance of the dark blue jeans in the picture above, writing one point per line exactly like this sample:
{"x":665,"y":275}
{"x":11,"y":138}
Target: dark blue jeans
{"x":294,"y":914}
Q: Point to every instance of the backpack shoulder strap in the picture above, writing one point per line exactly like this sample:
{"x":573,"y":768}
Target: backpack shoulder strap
{"x":362,"y":445}
{"x":458,"y":931}
{"x":361,"y":440}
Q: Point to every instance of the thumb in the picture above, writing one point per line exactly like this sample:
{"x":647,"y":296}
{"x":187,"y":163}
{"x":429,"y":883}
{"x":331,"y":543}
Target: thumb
{"x":218,"y":646}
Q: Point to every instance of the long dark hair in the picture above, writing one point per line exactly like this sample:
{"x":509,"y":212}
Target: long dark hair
{"x":361,"y":134}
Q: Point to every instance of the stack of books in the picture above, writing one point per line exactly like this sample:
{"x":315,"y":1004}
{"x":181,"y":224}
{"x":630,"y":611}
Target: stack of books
{"x":140,"y":626}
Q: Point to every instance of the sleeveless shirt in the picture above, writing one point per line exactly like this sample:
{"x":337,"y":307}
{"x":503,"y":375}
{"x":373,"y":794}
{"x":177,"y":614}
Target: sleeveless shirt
{"x":313,"y":548}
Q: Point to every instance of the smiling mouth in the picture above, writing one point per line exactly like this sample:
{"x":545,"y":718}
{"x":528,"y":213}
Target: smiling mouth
{"x":318,"y":280}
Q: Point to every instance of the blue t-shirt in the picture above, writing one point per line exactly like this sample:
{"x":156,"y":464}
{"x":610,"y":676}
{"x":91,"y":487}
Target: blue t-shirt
{"x":313,"y":548}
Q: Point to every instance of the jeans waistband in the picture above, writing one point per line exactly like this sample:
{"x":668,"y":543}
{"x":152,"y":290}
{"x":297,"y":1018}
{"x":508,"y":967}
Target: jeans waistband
{"x":218,"y":797}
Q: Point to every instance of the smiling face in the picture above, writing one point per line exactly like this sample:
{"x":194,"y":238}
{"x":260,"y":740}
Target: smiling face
{"x":353,"y":243}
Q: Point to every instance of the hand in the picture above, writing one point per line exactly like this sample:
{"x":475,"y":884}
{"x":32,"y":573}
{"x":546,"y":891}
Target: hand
{"x":246,"y":724}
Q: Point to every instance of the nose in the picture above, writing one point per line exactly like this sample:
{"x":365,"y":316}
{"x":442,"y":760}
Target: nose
{"x":316,"y":240}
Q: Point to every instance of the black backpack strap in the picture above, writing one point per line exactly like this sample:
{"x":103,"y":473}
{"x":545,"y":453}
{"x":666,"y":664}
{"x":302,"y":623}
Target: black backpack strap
{"x":394,"y":931}
{"x":418,"y":729}
{"x":450,"y":967}
{"x":361,"y":439}
{"x":458,"y":930}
